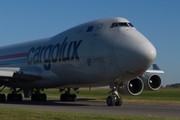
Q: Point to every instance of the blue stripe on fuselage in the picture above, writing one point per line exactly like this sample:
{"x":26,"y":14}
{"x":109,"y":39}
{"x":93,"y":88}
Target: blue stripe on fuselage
{"x":13,"y":61}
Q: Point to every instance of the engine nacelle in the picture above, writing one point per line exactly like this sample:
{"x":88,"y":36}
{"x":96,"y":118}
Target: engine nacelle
{"x":132,"y":87}
{"x":151,"y":81}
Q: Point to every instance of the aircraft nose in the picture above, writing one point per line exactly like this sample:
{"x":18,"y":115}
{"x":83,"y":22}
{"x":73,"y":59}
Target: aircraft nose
{"x":146,"y":53}
{"x":134,"y":53}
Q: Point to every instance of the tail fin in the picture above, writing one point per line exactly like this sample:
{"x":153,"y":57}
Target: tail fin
{"x":156,"y":69}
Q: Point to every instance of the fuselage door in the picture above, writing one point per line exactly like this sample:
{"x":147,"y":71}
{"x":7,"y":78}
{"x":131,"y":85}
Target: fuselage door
{"x":98,"y":29}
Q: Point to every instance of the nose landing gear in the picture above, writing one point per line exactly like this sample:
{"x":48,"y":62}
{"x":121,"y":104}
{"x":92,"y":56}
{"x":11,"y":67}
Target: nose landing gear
{"x":114,"y":98}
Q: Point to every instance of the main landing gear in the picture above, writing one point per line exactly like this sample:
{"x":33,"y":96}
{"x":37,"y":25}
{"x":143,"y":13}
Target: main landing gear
{"x":114,"y":99}
{"x":67,"y":96}
{"x":37,"y":96}
{"x":13,"y":96}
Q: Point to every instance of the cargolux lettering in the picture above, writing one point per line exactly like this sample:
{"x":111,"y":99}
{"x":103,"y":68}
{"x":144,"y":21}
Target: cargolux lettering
{"x":51,"y":53}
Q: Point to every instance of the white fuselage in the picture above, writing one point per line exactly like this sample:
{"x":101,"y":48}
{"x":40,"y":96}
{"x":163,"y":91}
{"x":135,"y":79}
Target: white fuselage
{"x":96,"y":53}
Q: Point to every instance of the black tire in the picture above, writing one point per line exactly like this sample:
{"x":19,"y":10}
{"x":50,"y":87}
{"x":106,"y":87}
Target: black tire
{"x":118,"y":102}
{"x":44,"y":97}
{"x":10,"y":97}
{"x":19,"y":96}
{"x":33,"y":97}
{"x":110,"y":101}
{"x":2,"y":98}
{"x":63,"y":97}
{"x":73,"y":97}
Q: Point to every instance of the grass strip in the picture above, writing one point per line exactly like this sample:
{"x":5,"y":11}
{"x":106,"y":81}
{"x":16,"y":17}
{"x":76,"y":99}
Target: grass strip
{"x":24,"y":114}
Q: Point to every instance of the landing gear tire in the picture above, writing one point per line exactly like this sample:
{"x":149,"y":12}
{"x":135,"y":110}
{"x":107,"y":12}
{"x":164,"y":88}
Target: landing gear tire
{"x":44,"y":97}
{"x":68,"y":97}
{"x":73,"y":97}
{"x":63,"y":97}
{"x":118,"y":102}
{"x":110,"y":101}
{"x":19,"y":97}
{"x":2,"y":98}
{"x":38,"y":97}
{"x":14,"y":97}
{"x":9,"y":97}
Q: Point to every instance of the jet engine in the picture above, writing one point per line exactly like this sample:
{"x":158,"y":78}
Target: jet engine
{"x":132,"y":87}
{"x":151,"y":81}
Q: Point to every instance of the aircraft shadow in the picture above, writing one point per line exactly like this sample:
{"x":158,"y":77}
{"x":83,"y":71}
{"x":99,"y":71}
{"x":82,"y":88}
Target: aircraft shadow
{"x":50,"y":102}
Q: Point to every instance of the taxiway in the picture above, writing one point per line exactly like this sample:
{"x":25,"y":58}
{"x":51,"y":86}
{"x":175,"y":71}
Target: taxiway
{"x":171,"y":111}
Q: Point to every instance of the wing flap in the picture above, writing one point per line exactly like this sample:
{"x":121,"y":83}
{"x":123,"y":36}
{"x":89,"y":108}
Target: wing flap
{"x":20,"y":74}
{"x":4,"y":74}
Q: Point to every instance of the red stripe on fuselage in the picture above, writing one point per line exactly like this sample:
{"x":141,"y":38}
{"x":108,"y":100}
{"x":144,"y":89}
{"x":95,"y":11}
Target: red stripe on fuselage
{"x":13,"y":56}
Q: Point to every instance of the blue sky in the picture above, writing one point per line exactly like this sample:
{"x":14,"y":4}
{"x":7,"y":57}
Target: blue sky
{"x":159,"y":21}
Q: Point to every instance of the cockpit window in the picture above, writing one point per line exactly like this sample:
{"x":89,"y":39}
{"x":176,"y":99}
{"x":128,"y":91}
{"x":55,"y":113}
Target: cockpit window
{"x":130,"y":25}
{"x":121,"y":24}
{"x":113,"y":25}
{"x":116,"y":25}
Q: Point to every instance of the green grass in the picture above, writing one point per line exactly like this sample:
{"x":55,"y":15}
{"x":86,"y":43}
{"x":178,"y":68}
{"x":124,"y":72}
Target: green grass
{"x":23,"y":114}
{"x":162,"y":96}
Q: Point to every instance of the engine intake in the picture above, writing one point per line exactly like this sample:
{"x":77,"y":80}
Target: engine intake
{"x":151,"y":81}
{"x":132,"y":87}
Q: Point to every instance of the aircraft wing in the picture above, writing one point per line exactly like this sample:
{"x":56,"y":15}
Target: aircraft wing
{"x":20,"y":74}
{"x":156,"y":69}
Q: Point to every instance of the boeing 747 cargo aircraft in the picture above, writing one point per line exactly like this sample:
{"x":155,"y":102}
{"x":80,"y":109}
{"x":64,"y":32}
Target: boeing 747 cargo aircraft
{"x":105,"y":52}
